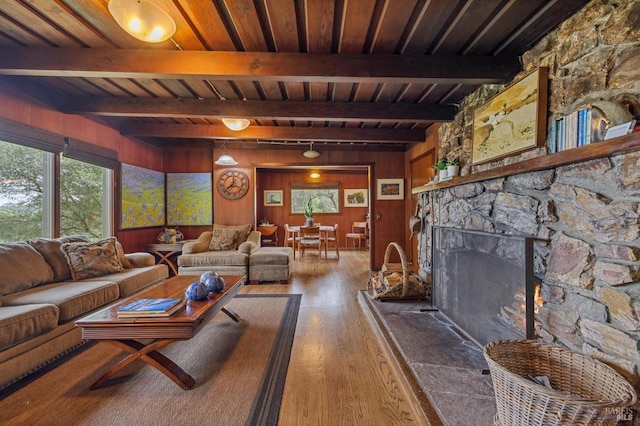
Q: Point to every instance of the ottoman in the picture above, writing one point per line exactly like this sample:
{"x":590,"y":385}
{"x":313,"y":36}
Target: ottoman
{"x":271,"y":264}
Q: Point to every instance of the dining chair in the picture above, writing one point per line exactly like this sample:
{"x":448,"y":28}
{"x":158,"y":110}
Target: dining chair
{"x":331,"y":238}
{"x":359,"y":232}
{"x":309,"y":238}
{"x":290,"y":239}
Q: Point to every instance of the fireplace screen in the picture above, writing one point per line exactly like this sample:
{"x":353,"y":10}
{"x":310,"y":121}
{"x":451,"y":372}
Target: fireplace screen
{"x":484,"y":283}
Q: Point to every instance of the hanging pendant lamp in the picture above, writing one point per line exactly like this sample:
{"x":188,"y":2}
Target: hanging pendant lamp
{"x":225,"y":159}
{"x":311,"y":153}
{"x":143,"y":20}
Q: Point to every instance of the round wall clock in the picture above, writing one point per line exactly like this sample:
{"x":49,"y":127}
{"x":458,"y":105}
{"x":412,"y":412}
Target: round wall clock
{"x":233,"y":184}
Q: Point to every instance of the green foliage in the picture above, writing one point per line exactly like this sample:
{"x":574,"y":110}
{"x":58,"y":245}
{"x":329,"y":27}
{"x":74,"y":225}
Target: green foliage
{"x":440,"y":165}
{"x":453,"y":162}
{"x":308,"y":210}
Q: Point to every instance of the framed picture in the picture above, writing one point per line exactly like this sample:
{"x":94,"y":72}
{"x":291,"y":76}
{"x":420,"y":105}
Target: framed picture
{"x":142,"y":194}
{"x":189,"y":199}
{"x":273,"y":197}
{"x":512,"y":121}
{"x":390,"y":189}
{"x":356,"y":198}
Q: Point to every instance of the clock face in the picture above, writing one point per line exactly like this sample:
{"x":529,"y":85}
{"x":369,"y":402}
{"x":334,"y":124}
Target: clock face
{"x":233,"y":184}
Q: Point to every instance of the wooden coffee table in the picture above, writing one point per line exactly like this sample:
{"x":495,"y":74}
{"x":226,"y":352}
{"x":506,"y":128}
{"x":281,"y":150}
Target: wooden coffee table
{"x":130,"y":333}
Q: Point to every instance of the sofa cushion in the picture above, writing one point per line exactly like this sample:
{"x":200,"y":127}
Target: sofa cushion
{"x":88,"y":260}
{"x":21,"y":267}
{"x":71,"y":297}
{"x":243,"y":229}
{"x":21,"y":323}
{"x":49,"y":248}
{"x":133,"y":280}
{"x":224,"y":239}
{"x":272,"y":256}
{"x":214,"y":258}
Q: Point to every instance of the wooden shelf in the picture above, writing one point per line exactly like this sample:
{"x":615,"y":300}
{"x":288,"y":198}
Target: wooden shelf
{"x":592,"y":151}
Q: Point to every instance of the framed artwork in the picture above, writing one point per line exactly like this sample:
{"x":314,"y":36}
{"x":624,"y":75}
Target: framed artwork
{"x":512,"y":121}
{"x":142,"y":194}
{"x":390,"y":189}
{"x":356,"y":198}
{"x":189,"y":199}
{"x":273,"y":197}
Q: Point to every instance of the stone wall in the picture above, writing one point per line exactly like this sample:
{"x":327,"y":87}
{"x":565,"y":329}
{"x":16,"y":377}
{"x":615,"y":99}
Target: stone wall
{"x":586,"y":215}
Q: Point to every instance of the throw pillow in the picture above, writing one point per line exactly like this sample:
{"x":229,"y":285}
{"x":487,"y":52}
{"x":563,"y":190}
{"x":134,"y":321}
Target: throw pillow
{"x":88,"y":260}
{"x":123,"y":259}
{"x":224,"y":239}
{"x":243,"y":229}
{"x":49,"y":248}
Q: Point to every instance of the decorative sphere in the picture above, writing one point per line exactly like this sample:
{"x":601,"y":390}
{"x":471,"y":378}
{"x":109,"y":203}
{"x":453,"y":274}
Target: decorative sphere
{"x":196,"y":291}
{"x":214,"y":283}
{"x":206,"y":274}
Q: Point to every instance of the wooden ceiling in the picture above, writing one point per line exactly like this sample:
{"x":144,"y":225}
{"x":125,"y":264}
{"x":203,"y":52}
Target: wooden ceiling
{"x":345,"y":74}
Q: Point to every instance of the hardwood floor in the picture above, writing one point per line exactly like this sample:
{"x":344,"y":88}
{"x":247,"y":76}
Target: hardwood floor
{"x":338,"y":373}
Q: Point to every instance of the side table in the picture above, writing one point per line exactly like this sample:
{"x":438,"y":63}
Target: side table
{"x":166,"y":254}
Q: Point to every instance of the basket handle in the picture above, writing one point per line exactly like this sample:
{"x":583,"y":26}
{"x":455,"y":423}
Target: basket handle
{"x":403,"y":261}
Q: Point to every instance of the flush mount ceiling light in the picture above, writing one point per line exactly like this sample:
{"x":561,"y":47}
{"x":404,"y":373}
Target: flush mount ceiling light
{"x":225,"y":159}
{"x":143,"y":20}
{"x":311,"y":153}
{"x":236,"y":124}
{"x":315,"y":175}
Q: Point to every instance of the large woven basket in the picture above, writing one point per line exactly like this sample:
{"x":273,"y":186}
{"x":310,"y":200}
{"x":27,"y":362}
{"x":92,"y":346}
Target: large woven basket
{"x":583,"y":391}
{"x":396,"y":281}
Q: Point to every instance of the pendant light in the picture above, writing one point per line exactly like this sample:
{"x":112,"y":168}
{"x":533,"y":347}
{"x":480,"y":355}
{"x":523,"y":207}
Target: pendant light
{"x":143,"y":20}
{"x":236,"y":124}
{"x":225,"y":159}
{"x":311,"y":153}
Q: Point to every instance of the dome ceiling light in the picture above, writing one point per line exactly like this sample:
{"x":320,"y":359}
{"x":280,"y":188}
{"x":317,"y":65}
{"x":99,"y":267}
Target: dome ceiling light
{"x":236,"y":124}
{"x":142,"y":20}
{"x":311,"y":153}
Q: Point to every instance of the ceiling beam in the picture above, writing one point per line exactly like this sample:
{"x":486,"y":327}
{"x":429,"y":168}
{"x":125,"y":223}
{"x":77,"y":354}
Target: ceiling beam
{"x":265,"y":110}
{"x":252,"y":66}
{"x":311,"y":134}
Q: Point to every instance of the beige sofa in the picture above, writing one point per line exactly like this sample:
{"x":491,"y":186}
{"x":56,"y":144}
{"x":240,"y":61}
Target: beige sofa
{"x":235,"y":250}
{"x":47,"y":284}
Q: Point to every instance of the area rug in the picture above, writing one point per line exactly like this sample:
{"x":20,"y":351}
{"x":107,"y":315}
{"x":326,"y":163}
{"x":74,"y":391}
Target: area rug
{"x":239,"y":369}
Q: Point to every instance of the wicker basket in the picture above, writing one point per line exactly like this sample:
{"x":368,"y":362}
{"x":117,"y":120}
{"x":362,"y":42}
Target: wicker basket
{"x":584,"y":391}
{"x":395,"y":281}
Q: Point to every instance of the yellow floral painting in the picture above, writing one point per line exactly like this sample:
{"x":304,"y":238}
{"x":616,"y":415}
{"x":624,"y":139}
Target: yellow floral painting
{"x":512,"y":121}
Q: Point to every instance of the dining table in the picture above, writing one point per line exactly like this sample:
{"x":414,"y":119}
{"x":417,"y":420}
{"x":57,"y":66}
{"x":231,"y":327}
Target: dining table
{"x":324,"y":232}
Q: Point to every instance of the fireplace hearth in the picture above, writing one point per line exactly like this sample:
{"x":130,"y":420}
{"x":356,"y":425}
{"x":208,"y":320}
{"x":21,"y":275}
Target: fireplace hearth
{"x":484,"y":283}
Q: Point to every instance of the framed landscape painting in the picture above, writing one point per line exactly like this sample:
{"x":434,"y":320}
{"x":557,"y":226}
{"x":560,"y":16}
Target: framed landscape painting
{"x":390,"y":189}
{"x":142,"y":194}
{"x":273,"y":197}
{"x":189,"y":199}
{"x":512,"y":121}
{"x":356,"y":198}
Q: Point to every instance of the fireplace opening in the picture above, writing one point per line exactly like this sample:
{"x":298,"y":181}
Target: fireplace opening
{"x":484,"y":283}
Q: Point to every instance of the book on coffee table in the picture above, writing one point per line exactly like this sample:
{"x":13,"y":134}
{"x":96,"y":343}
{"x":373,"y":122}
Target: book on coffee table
{"x":151,"y":308}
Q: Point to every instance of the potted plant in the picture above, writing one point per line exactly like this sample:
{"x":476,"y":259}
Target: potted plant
{"x":308,"y":213}
{"x":441,"y":167}
{"x":453,"y":167}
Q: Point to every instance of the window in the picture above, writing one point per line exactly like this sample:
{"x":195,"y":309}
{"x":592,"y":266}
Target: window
{"x":28,"y":195}
{"x":21,"y":192}
{"x":325,"y":197}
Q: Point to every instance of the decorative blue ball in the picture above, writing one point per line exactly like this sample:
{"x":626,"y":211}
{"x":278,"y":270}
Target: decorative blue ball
{"x":206,"y":275}
{"x":196,"y":291}
{"x":211,"y":281}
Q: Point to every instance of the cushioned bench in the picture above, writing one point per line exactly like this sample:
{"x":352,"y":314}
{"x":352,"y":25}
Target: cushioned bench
{"x":271,"y":264}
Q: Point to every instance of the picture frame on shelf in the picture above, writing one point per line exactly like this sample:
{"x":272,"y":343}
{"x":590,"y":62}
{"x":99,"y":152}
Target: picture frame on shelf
{"x":390,"y":189}
{"x":513,"y":121}
{"x":273,"y":197}
{"x":356,"y":198}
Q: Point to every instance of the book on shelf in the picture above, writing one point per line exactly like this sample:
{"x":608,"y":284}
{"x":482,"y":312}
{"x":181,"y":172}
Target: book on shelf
{"x":620,"y":130}
{"x":151,"y":308}
{"x":573,"y":130}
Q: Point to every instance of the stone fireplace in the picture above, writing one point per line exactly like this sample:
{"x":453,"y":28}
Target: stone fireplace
{"x":484,"y":283}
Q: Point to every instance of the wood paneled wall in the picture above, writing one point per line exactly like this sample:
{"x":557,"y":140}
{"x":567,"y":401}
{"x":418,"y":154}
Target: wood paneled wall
{"x":281,"y":180}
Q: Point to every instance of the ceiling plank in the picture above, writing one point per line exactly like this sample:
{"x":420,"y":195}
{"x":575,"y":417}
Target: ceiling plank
{"x":319,"y":134}
{"x":283,"y":110}
{"x":243,"y":66}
